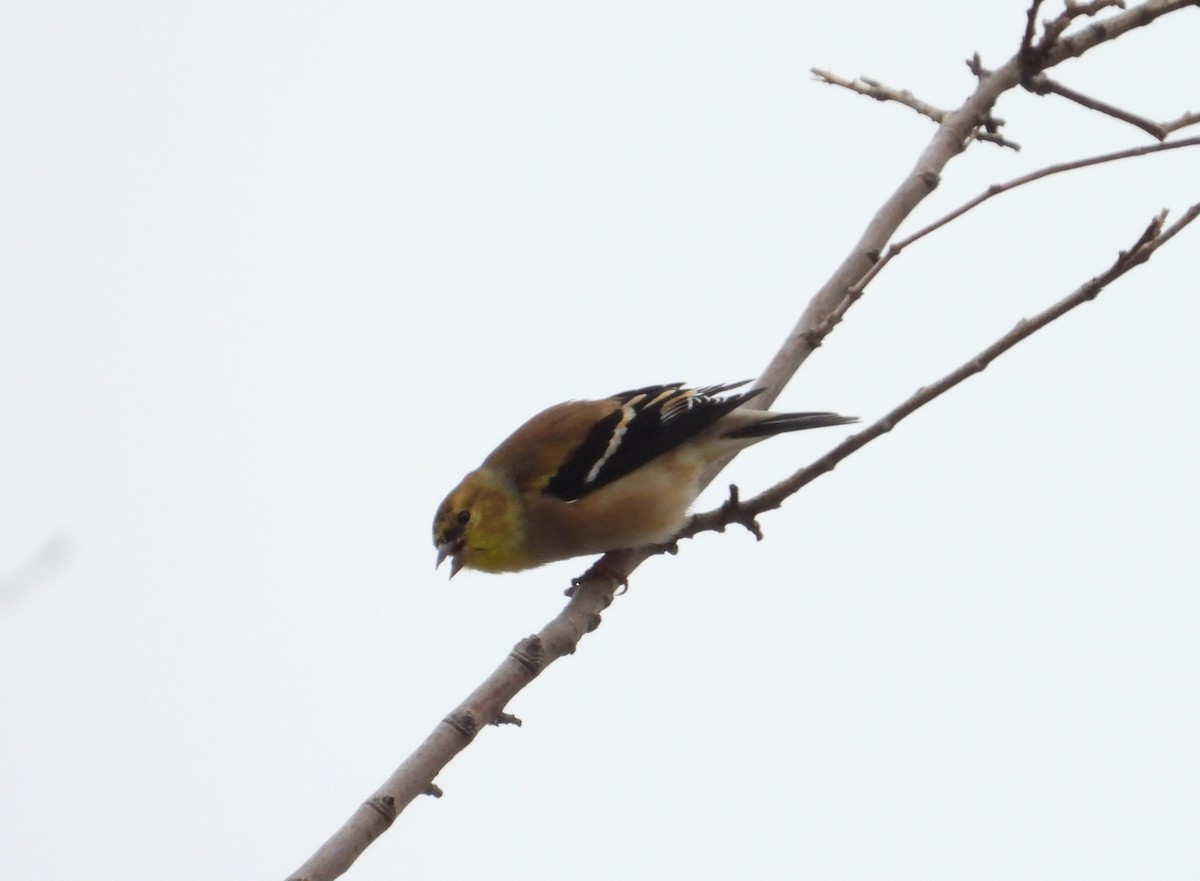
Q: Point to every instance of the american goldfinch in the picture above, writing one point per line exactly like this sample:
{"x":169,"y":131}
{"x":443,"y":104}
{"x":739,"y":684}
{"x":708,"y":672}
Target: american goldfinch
{"x":585,"y":477}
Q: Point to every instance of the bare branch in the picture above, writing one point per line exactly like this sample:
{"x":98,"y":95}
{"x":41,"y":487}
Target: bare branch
{"x":1035,"y":56}
{"x":880,"y":92}
{"x":1110,"y":29}
{"x":1043,"y":85}
{"x":1151,"y":239}
{"x":1183,"y":121}
{"x":482,"y":707}
{"x":1054,"y":28}
{"x":844,"y":288}
{"x":951,"y":139}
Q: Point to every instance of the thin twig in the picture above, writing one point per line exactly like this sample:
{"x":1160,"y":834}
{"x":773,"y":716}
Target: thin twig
{"x":988,"y":128}
{"x":1183,"y":121}
{"x":880,"y":92}
{"x":855,"y":291}
{"x":997,"y":189}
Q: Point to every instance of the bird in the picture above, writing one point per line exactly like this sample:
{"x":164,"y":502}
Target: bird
{"x":590,"y":476}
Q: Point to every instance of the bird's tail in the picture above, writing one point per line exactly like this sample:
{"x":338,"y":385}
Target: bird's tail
{"x":778,"y":423}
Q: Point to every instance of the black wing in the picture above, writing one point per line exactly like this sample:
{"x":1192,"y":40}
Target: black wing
{"x":646,"y":423}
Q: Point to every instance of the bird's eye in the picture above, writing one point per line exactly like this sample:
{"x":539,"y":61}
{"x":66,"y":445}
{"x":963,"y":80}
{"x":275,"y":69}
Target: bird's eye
{"x":464,"y":516}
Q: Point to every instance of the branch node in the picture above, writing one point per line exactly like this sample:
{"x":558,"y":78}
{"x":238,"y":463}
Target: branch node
{"x":385,"y":806}
{"x":530,"y":654}
{"x":464,"y":722}
{"x":432,"y":790}
{"x":503,"y":718}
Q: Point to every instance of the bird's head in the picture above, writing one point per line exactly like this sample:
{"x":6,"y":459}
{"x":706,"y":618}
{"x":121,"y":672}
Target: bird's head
{"x":479,"y":526}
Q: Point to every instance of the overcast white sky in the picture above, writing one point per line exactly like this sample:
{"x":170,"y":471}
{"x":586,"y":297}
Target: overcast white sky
{"x":275,"y":275}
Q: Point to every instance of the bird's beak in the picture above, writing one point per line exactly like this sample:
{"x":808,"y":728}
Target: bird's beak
{"x":453,"y":550}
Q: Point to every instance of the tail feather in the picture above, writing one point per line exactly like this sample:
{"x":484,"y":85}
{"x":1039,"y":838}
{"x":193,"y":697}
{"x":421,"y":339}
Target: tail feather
{"x":777,"y":423}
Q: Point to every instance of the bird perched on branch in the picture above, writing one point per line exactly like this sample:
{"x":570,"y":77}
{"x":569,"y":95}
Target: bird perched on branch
{"x":586,"y":477}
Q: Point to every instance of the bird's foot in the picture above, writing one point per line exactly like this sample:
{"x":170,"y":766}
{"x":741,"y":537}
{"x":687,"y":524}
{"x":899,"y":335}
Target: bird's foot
{"x":600,"y":569}
{"x":732,"y":511}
